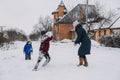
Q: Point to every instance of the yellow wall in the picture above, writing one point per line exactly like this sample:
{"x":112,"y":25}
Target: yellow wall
{"x":96,"y":36}
{"x":101,"y":32}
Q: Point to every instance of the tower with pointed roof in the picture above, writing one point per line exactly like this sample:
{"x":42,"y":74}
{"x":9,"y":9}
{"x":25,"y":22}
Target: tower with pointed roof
{"x":60,"y":11}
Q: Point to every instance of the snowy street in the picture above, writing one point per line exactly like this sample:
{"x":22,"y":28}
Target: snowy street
{"x":103,"y":63}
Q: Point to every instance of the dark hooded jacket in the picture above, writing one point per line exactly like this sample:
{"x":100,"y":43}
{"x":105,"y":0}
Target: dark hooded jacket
{"x":83,"y":40}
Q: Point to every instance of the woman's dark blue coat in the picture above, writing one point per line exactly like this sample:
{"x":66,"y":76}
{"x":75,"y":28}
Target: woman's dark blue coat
{"x":82,"y":38}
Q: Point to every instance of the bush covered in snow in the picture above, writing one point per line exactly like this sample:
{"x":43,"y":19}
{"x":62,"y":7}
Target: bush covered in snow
{"x":3,"y":39}
{"x":7,"y":46}
{"x":110,"y":41}
{"x":13,"y":35}
{"x":34,"y":36}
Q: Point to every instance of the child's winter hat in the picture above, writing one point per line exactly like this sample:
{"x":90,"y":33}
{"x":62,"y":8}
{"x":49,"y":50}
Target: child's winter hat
{"x":43,"y":32}
{"x":49,"y":34}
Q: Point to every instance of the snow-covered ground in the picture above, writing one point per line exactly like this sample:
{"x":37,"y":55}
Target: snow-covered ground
{"x":103,"y":63}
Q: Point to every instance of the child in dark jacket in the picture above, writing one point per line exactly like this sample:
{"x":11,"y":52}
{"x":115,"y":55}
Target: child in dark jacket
{"x":28,"y":50}
{"x":44,"y":48}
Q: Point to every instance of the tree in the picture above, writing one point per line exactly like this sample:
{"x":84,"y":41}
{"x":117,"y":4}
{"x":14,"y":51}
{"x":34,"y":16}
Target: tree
{"x":44,"y":24}
{"x":15,"y":34}
{"x":34,"y":36}
{"x":101,"y":17}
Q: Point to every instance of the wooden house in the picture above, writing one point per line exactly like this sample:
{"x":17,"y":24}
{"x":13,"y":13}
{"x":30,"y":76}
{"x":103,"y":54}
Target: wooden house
{"x":111,"y":29}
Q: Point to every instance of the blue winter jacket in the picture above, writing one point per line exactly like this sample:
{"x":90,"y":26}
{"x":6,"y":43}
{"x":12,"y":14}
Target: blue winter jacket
{"x":28,"y":48}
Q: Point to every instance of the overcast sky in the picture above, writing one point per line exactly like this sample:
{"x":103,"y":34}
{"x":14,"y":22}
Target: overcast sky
{"x":24,"y":14}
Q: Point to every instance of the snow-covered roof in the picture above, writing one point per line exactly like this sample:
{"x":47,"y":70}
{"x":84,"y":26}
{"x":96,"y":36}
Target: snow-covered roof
{"x":55,"y":11}
{"x":61,"y":4}
{"x":117,"y":23}
{"x":74,"y":14}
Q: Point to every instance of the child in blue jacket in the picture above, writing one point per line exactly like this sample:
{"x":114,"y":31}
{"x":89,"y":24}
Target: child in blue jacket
{"x":28,"y":50}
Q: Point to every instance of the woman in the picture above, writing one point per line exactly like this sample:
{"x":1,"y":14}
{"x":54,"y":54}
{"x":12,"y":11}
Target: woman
{"x":85,"y":45}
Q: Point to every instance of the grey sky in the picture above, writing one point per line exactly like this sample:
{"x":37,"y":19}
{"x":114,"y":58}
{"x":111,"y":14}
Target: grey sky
{"x":24,"y":14}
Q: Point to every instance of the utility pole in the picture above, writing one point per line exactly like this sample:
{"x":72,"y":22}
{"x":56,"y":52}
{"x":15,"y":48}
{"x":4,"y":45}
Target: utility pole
{"x":87,"y":15}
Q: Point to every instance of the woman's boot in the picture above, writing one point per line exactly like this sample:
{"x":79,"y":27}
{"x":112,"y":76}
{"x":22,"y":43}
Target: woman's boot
{"x":85,"y":62}
{"x":80,"y":62}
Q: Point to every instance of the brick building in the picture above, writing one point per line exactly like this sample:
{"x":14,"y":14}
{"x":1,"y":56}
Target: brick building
{"x":62,"y":25}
